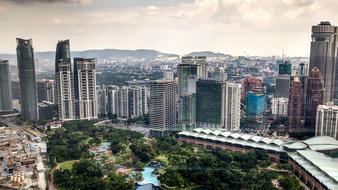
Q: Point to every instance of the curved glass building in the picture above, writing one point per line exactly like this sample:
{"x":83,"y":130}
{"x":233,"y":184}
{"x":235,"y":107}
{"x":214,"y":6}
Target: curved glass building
{"x":5,"y":87}
{"x":26,"y":67}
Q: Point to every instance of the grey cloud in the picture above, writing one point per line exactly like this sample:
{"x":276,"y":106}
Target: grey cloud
{"x":27,"y":2}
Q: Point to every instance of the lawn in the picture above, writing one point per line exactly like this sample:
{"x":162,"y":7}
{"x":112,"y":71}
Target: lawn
{"x":67,"y":165}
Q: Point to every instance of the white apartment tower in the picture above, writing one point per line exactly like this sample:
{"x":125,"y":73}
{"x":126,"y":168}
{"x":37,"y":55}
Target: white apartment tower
{"x":327,"y":121}
{"x":85,"y":88}
{"x":232,"y":106}
{"x":63,"y":79}
{"x":279,"y":107}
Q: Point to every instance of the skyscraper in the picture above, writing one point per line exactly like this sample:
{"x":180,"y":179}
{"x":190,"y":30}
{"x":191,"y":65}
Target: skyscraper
{"x":210,"y":103}
{"x":315,"y":97}
{"x":85,"y":88}
{"x":113,"y":100}
{"x":218,"y":74}
{"x":232,"y":106}
{"x":123,"y":102}
{"x":200,"y":61}
{"x":5,"y":87}
{"x":283,"y":79}
{"x":26,"y":67}
{"x":46,"y":91}
{"x":256,"y":105}
{"x":162,"y":107}
{"x":326,"y":122}
{"x":64,"y":85}
{"x":186,"y":97}
{"x":135,"y":101}
{"x":101,"y":100}
{"x":323,"y":55}
{"x":295,"y":104}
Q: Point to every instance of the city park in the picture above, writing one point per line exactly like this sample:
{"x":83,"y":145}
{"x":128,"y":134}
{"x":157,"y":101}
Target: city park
{"x":84,"y":156}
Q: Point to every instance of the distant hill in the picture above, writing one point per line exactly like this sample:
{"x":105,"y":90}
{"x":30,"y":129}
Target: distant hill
{"x":103,"y":54}
{"x":208,"y":54}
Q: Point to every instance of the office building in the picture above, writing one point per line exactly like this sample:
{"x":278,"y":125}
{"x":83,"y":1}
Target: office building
{"x":162,"y":107}
{"x":187,"y":75}
{"x":279,"y":107}
{"x":85,"y":88}
{"x":256,"y":105}
{"x":168,"y":75}
{"x":113,"y":100}
{"x":295,"y":104}
{"x":101,"y":100}
{"x":5,"y":87}
{"x":65,"y":95}
{"x":326,"y":120}
{"x":323,"y":55}
{"x":232,"y":106}
{"x":28,"y":91}
{"x":46,"y":91}
{"x":283,"y":79}
{"x":15,"y":89}
{"x":218,"y":74}
{"x":210,"y":103}
{"x":315,"y":97}
{"x":200,"y":61}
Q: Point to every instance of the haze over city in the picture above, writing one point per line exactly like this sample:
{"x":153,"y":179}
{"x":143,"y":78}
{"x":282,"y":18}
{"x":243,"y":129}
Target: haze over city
{"x":261,"y":27}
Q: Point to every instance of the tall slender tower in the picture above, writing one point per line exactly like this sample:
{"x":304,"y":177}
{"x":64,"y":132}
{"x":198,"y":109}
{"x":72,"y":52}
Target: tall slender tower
{"x":315,"y":97}
{"x":232,"y":106}
{"x":85,"y":88}
{"x":295,"y":104}
{"x":5,"y":87}
{"x":63,"y":78}
{"x":26,"y":67}
{"x":323,"y":55}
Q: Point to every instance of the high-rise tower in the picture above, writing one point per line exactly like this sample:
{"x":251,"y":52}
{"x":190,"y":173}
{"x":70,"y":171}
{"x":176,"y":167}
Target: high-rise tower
{"x":26,"y":67}
{"x":295,"y":104}
{"x":64,"y":85}
{"x":5,"y":87}
{"x":162,"y":107}
{"x":323,"y":55}
{"x":315,"y":97}
{"x":85,"y":88}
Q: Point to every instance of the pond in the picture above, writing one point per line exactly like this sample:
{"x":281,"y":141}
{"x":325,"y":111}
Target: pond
{"x":149,"y":177}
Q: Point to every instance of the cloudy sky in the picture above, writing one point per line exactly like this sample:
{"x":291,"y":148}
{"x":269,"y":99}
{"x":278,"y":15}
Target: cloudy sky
{"x":238,"y":27}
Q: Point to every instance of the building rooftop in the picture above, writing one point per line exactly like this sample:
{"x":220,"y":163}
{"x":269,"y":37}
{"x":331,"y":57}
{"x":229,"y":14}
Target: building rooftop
{"x":324,"y":168}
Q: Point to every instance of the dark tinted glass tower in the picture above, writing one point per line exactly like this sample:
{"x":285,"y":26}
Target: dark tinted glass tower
{"x":315,"y":95}
{"x":64,"y":85}
{"x":26,"y":67}
{"x":295,"y":104}
{"x":5,"y":87}
{"x":323,"y":55}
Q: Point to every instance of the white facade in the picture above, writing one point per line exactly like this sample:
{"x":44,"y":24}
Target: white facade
{"x":65,"y":92}
{"x":113,"y":100}
{"x":101,"y":100}
{"x":86,"y":88}
{"x":168,"y":75}
{"x":232,"y":106}
{"x":327,"y":121}
{"x":123,"y":102}
{"x":280,"y":107}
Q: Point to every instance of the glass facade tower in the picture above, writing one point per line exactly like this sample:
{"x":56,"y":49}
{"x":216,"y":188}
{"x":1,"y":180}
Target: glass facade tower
{"x":26,"y":67}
